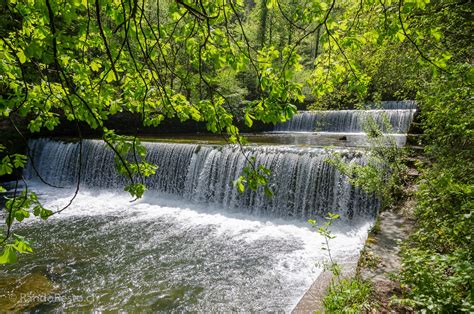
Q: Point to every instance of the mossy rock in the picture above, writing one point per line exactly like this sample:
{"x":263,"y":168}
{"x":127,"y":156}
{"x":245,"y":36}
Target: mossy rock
{"x":20,"y":294}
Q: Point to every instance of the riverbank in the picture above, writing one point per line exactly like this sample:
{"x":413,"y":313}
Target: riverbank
{"x":380,"y":259}
{"x":370,"y":283}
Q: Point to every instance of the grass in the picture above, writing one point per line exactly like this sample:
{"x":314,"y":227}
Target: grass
{"x":348,"y":296}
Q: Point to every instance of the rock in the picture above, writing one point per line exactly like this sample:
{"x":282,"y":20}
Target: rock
{"x":20,"y":294}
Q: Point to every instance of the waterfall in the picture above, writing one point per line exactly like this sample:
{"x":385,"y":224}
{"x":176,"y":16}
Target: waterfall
{"x":303,"y":183}
{"x":392,"y":104}
{"x":348,"y":121}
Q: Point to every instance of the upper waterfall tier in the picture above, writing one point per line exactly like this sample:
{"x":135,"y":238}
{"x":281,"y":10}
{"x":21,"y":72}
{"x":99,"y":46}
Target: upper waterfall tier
{"x":392,"y":104}
{"x":349,"y":121}
{"x":304,"y":184}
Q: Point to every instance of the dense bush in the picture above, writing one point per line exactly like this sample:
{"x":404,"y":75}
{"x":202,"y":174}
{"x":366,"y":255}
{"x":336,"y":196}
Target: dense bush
{"x":438,"y":261}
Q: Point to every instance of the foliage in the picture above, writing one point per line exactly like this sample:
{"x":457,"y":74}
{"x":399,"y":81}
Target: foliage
{"x":344,"y":295}
{"x":383,"y":172}
{"x":348,"y":296}
{"x":17,"y":208}
{"x":438,"y":261}
{"x":325,"y":231}
{"x":130,"y":160}
{"x":19,"y":245}
{"x":437,"y":282}
{"x":447,"y":116}
{"x":254,"y":177}
{"x":11,"y":162}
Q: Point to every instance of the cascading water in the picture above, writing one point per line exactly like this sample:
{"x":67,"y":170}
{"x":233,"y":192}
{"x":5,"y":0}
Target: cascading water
{"x":193,"y":243}
{"x":392,"y":104}
{"x":303,"y":183}
{"x":160,"y":254}
{"x":348,"y":121}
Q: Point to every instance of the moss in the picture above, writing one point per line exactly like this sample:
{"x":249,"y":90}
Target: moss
{"x":20,"y":294}
{"x":376,"y":228}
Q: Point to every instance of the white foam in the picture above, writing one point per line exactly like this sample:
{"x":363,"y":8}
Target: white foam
{"x":297,"y":267}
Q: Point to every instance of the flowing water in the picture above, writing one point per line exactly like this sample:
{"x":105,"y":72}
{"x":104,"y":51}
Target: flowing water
{"x":193,"y":243}
{"x":348,"y":121}
{"x":406,"y":104}
{"x":302,"y":181}
{"x":161,"y":254}
{"x":293,"y":139}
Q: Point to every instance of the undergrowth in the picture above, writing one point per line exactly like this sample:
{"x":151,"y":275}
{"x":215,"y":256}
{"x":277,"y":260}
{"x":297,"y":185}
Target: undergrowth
{"x":438,"y":260}
{"x":348,"y":296}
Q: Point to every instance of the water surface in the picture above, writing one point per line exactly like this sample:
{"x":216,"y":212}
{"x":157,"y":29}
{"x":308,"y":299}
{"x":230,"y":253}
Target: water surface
{"x":160,"y":253}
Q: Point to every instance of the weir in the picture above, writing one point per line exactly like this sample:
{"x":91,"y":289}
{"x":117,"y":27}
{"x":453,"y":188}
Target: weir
{"x":348,"y":121}
{"x":193,"y":242}
{"x":393,"y":104}
{"x":302,"y":181}
{"x":304,"y":184}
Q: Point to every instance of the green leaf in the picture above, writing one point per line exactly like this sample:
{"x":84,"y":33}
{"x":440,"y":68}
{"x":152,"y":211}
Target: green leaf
{"x":22,"y":246}
{"x":267,"y":191}
{"x":239,"y":184}
{"x":240,"y":187}
{"x":110,"y":77}
{"x":175,"y":16}
{"x":136,"y":189}
{"x":5,"y":168}
{"x":21,"y":214}
{"x":19,"y":161}
{"x":271,"y":3}
{"x":248,"y":120}
{"x":42,"y":212}
{"x":21,"y":56}
{"x":37,"y":210}
{"x":436,"y":33}
{"x":95,"y":65}
{"x":8,"y":256}
{"x":45,"y":213}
